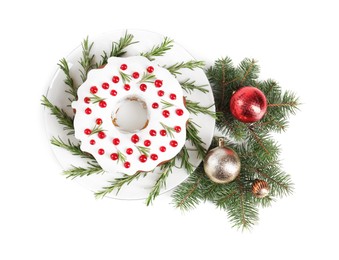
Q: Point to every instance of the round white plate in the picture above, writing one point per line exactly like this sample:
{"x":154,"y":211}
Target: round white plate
{"x":137,"y":189}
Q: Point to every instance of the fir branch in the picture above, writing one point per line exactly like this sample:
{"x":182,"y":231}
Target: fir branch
{"x":195,"y":108}
{"x":147,"y":78}
{"x":161,"y":181}
{"x":192,"y":135}
{"x":117,"y":184}
{"x":63,"y":65}
{"x":60,"y":114}
{"x":166,"y":104}
{"x":158,"y":50}
{"x":192,"y":64}
{"x":169,"y":130}
{"x":190,"y":86}
{"x":125,"y":77}
{"x":143,"y":150}
{"x":75,"y":172}
{"x":72,"y":148}
{"x":86,"y":61}
{"x":184,"y":157}
{"x":248,"y":70}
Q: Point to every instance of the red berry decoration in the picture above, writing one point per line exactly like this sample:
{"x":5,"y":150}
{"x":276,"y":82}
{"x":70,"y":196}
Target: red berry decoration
{"x":166,"y":113}
{"x":101,"y":151}
{"x":135,"y":75}
{"x":102,"y":104}
{"x":114,"y":156}
{"x":87,"y":131}
{"x":116,"y":141}
{"x":179,"y":112}
{"x":105,"y":85}
{"x":153,"y":132}
{"x":87,"y":100}
{"x":163,"y":132}
{"x":248,"y":104}
{"x":115,"y":79}
{"x":154,"y":157}
{"x":98,"y":121}
{"x":123,"y":67}
{"x":114,"y":92}
{"x":127,"y":87}
{"x":135,"y":138}
{"x":150,"y":69}
{"x":173,"y":96}
{"x":161,"y":93}
{"x":88,"y":111}
{"x":129,"y":151}
{"x":147,"y":143}
{"x":173,"y":143}
{"x":101,"y":135}
{"x":158,"y":83}
{"x":92,"y":142}
{"x":143,"y":87}
{"x":127,"y":164}
{"x":177,"y":129}
{"x":162,"y":149}
{"x":93,"y":89}
{"x":143,"y":158}
{"x":155,"y":105}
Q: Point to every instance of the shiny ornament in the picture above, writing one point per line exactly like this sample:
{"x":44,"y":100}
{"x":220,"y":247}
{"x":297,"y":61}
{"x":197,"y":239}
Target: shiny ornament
{"x":248,"y":104}
{"x":222,"y":164}
{"x":260,"y":188}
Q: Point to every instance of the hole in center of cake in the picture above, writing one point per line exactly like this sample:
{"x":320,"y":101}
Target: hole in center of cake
{"x":131,"y":115}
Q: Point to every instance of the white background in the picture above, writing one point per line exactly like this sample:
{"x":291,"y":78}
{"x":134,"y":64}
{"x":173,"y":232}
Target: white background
{"x":44,"y":216}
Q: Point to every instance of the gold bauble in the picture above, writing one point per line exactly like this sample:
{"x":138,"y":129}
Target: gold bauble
{"x":222,"y":164}
{"x":260,"y":188}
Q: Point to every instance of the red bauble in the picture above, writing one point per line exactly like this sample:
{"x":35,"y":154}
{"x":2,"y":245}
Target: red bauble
{"x":248,"y":104}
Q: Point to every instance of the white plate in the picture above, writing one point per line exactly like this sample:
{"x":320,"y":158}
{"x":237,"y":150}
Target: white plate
{"x":138,"y":189}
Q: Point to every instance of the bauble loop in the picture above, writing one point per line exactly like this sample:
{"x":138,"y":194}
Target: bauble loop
{"x":248,"y":104}
{"x":260,"y":188}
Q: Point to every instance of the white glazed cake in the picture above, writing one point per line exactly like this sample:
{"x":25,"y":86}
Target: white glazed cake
{"x":130,"y":115}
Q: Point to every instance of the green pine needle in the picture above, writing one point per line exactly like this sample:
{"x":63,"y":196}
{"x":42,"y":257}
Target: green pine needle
{"x":159,"y":50}
{"x":86,"y":61}
{"x":72,"y":148}
{"x":192,"y":134}
{"x":63,"y":65}
{"x":189,"y":86}
{"x":170,"y":130}
{"x":143,"y":150}
{"x":147,"y":78}
{"x":176,"y":68}
{"x":196,"y":109}
{"x":75,"y":172}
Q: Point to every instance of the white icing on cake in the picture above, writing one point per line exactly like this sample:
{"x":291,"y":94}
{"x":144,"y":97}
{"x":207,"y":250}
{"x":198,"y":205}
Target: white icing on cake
{"x":134,"y":142}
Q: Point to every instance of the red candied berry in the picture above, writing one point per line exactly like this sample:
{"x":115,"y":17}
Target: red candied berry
{"x":127,"y":87}
{"x":154,"y":157}
{"x":150,"y":69}
{"x":98,"y":121}
{"x":153,"y":132}
{"x":74,"y":110}
{"x":135,"y":138}
{"x":101,"y":135}
{"x":161,"y":93}
{"x":114,"y":156}
{"x":93,"y":89}
{"x":116,"y":141}
{"x":143,"y":158}
{"x":173,"y":96}
{"x":163,"y":132}
{"x":179,"y":112}
{"x":114,"y":92}
{"x":115,"y":79}
{"x":101,"y":151}
{"x":158,"y":83}
{"x":87,"y":100}
{"x":123,"y":67}
{"x":135,"y":75}
{"x":166,"y":113}
{"x":155,"y":105}
{"x":173,"y":143}
{"x":105,"y":85}
{"x":87,"y":131}
{"x":162,"y":149}
{"x":147,"y":143}
{"x":177,"y":129}
{"x":129,"y":151}
{"x":143,"y":87}
{"x":88,"y":111}
{"x":92,"y":142}
{"x":102,"y":104}
{"x":127,"y":164}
